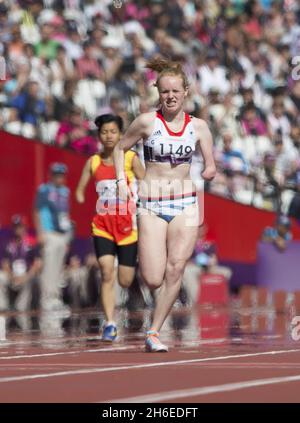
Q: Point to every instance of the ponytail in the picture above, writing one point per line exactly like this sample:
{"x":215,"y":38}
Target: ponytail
{"x":167,"y":67}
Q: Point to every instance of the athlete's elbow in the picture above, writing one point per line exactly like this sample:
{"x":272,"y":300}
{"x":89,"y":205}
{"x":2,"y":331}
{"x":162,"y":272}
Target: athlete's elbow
{"x":121,"y":147}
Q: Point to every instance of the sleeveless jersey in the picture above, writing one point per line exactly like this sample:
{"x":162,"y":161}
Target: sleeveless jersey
{"x":164,"y":145}
{"x":115,"y":219}
{"x":105,"y":177}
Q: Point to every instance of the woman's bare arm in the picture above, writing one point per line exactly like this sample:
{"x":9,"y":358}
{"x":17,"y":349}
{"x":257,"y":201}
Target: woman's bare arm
{"x":138,"y":129}
{"x":206,"y":146}
{"x":83,"y":181}
{"x":138,"y":168}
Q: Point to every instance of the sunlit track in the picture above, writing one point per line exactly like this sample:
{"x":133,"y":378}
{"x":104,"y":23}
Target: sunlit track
{"x":210,"y":362}
{"x":107,"y":349}
{"x":206,"y":390}
{"x":140,"y":366}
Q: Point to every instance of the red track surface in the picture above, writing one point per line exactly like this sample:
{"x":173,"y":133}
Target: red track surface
{"x":246,"y":366}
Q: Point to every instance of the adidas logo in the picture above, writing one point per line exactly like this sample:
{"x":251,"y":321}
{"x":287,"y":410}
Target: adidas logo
{"x":157,"y":133}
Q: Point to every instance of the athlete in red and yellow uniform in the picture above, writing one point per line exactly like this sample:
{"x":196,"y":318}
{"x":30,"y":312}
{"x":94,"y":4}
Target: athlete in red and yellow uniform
{"x":113,"y":221}
{"x":113,"y":227}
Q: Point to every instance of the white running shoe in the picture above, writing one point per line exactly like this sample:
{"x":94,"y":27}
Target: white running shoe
{"x":153,"y":344}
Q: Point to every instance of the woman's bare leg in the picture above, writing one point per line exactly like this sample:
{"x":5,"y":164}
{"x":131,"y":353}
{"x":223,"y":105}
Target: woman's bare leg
{"x":152,"y":249}
{"x":108,"y":295}
{"x":181,"y":238}
{"x":125,"y":275}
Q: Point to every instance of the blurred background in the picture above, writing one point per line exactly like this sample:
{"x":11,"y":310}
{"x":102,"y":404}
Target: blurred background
{"x":68,"y":61}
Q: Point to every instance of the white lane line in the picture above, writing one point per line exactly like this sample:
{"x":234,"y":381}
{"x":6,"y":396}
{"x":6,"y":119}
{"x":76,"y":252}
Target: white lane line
{"x":206,"y":390}
{"x":138,"y":366}
{"x":106,"y":349}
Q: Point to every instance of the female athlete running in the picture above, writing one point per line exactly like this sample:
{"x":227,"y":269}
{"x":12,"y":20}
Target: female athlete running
{"x":113,"y":228}
{"x":168,"y":215}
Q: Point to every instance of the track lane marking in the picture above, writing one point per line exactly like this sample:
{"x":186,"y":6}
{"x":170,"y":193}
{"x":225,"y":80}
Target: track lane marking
{"x":138,"y":366}
{"x":205,"y":390}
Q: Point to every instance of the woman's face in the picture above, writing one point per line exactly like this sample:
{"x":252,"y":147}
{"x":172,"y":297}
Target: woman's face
{"x":109,"y":134}
{"x":61,"y":54}
{"x":171,"y":93}
{"x":76,"y":119}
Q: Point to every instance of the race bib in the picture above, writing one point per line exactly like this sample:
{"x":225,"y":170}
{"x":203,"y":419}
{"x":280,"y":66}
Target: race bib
{"x":107,"y":190}
{"x":19,"y":267}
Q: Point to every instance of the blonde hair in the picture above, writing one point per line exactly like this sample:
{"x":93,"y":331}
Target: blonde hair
{"x":166,"y":67}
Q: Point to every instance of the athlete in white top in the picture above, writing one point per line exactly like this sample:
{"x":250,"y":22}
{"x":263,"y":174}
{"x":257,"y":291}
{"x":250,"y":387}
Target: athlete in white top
{"x":168,"y":210}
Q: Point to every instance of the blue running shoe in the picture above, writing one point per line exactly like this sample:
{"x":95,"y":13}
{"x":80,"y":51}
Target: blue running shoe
{"x":153,"y":343}
{"x":109,"y":333}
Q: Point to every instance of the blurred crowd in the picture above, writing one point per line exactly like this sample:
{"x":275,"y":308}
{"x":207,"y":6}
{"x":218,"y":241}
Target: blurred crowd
{"x":70,"y":60}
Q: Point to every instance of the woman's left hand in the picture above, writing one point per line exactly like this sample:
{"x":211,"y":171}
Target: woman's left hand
{"x":209,"y":173}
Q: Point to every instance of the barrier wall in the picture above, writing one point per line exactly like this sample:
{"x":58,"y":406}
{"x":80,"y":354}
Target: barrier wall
{"x":278,"y":270}
{"x":24,"y":165}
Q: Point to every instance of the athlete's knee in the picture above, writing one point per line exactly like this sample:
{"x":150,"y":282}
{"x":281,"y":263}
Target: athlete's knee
{"x":174,"y":269}
{"x":125,"y":280}
{"x":152,"y":281}
{"x":107,"y":273}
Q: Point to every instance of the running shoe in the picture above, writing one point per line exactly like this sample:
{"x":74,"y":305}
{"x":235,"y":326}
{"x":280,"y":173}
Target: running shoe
{"x":153,"y":343}
{"x":109,"y":333}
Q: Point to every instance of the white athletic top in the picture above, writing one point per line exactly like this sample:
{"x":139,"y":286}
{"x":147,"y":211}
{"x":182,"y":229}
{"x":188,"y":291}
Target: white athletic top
{"x":164,"y":145}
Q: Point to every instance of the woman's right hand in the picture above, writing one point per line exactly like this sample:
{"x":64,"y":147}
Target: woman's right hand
{"x":79,"y":197}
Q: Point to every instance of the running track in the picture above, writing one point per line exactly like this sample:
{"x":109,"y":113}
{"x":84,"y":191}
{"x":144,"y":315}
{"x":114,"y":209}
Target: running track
{"x":212,"y":364}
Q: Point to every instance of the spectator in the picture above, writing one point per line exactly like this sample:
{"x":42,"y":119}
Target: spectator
{"x":87,"y":66}
{"x":30,"y":108}
{"x":293,"y":143}
{"x":285,"y":162}
{"x":212,"y":74}
{"x":230,"y":159}
{"x":62,"y":69}
{"x":112,"y":60}
{"x":20,"y":268}
{"x":294,"y":208}
{"x":46,"y":48}
{"x":38,"y":70}
{"x":267,"y":184}
{"x":205,"y":254}
{"x":295,"y":96}
{"x":75,"y":277}
{"x":251,"y":121}
{"x":248,"y":98}
{"x":234,"y":168}
{"x":54,"y":230}
{"x":73,"y":43}
{"x":74,"y":133}
{"x":292,"y":34}
{"x":279,"y":235}
{"x":65,"y":101}
{"x":278,"y":121}
{"x":48,"y":128}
